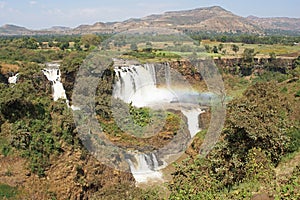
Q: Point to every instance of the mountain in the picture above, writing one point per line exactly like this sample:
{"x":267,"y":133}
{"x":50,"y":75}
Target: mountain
{"x":206,"y":19}
{"x":213,"y":19}
{"x":58,"y":29}
{"x":201,"y":19}
{"x":276,"y":23}
{"x":9,"y":29}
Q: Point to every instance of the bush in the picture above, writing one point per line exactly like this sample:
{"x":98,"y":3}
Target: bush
{"x":297,"y":94}
{"x":7,"y":192}
{"x":253,"y":141}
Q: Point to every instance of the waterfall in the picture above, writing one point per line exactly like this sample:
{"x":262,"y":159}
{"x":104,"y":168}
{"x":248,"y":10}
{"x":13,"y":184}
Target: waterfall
{"x":192,"y":120}
{"x":53,"y":75}
{"x":52,"y":72}
{"x":137,"y":84}
{"x":145,"y":167}
{"x":13,"y":79}
{"x":168,"y":75}
{"x":151,"y":69}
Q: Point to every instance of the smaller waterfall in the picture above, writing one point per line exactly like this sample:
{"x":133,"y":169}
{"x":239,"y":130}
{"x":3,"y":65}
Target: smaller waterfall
{"x":192,"y":120}
{"x":145,"y":168}
{"x":52,"y":73}
{"x":13,"y":79}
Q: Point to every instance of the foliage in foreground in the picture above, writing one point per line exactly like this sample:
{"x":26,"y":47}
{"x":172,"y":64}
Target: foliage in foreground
{"x":256,"y":136}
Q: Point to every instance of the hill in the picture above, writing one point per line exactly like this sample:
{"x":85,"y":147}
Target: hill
{"x":276,"y":23}
{"x":9,"y":29}
{"x":211,"y":19}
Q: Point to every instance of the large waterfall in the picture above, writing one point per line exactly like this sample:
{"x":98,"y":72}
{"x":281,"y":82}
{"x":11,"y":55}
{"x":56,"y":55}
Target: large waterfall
{"x":142,"y":86}
{"x":137,"y":84}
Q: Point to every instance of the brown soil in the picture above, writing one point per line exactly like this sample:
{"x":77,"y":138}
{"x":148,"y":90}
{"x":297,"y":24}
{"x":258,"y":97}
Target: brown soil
{"x":72,"y":175}
{"x":5,"y":68}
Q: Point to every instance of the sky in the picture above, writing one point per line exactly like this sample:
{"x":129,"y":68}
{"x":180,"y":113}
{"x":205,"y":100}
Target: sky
{"x":39,"y":14}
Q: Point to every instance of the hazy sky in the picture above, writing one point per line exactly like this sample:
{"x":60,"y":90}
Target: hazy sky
{"x":38,"y":14}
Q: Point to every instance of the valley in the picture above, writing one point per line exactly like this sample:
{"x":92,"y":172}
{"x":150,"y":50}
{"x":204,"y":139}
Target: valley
{"x":204,"y":107}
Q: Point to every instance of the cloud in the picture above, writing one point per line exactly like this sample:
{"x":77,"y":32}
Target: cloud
{"x":87,"y":12}
{"x":2,"y":4}
{"x":32,"y":2}
{"x":54,"y":12}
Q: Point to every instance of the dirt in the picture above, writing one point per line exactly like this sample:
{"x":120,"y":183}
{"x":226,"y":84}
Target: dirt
{"x":285,"y":169}
{"x":5,"y":68}
{"x":72,"y":175}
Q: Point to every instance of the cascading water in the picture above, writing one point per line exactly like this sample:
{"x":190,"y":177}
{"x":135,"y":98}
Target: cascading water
{"x":168,"y":75}
{"x":13,"y":79}
{"x":52,"y":73}
{"x":138,"y":84}
{"x":145,"y":168}
{"x":192,"y":120}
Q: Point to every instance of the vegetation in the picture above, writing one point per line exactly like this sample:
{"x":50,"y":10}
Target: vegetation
{"x":261,"y":132}
{"x":245,"y":38}
{"x":255,"y":138}
{"x":7,"y":192}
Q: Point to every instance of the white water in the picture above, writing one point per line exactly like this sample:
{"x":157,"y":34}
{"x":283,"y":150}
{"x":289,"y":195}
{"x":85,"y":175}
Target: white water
{"x":145,"y":168}
{"x":53,"y":75}
{"x":13,"y":79}
{"x":137,"y":84}
{"x":192,"y":120}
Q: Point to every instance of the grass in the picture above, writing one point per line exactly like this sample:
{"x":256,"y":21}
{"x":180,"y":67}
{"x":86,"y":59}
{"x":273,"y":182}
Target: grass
{"x":262,"y":49}
{"x":7,"y":192}
{"x":160,"y":54}
{"x":5,"y":148}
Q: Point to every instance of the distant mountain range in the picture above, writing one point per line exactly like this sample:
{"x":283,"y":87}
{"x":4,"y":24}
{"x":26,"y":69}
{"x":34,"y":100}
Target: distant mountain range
{"x":213,"y":19}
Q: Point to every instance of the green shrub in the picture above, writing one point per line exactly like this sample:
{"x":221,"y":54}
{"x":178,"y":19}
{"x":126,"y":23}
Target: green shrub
{"x":7,"y":192}
{"x":5,"y":150}
{"x":297,"y":93}
{"x":294,"y":144}
{"x":271,"y":76}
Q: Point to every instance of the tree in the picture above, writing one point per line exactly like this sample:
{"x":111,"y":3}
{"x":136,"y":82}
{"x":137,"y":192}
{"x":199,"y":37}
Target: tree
{"x":148,"y":44}
{"x":133,"y":47}
{"x":77,"y":46}
{"x":207,"y":48}
{"x":215,"y":49}
{"x":221,"y":46}
{"x":51,"y":44}
{"x":90,"y":39}
{"x":272,"y":56}
{"x":64,"y":45}
{"x":248,"y":55}
{"x":235,"y":48}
